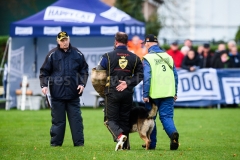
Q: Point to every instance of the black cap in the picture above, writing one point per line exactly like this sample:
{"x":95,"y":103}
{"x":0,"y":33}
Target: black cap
{"x":150,"y":38}
{"x":62,"y":35}
{"x":175,"y":43}
{"x":206,"y":45}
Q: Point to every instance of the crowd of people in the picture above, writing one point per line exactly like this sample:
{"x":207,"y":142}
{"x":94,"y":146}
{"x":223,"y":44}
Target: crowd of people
{"x":186,"y":57}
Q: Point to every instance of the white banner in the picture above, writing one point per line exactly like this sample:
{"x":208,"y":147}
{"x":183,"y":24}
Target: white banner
{"x":23,"y":30}
{"x":70,"y":15}
{"x":80,"y":30}
{"x":109,"y":30}
{"x":51,"y":30}
{"x":17,"y":62}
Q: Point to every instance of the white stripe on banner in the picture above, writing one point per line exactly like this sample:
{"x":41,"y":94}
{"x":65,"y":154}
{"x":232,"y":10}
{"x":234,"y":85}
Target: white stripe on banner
{"x":231,"y":89}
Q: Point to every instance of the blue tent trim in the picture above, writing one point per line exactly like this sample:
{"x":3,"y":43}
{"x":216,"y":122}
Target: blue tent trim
{"x":78,"y":18}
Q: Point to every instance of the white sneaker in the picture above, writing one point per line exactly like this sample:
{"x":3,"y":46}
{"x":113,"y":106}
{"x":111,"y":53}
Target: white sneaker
{"x":120,"y":143}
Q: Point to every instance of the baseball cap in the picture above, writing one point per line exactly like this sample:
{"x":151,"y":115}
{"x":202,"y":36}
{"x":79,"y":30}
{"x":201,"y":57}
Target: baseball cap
{"x":206,"y":45}
{"x":62,"y":35}
{"x":150,"y":38}
{"x":175,"y":43}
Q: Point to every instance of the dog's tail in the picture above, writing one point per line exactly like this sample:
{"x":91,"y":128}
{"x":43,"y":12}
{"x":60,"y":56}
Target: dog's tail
{"x":152,"y":113}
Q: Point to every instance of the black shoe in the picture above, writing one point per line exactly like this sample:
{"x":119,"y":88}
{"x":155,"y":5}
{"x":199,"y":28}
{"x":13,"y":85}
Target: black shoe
{"x":174,"y":141}
{"x":150,"y":148}
{"x":56,"y":145}
{"x":79,"y":145}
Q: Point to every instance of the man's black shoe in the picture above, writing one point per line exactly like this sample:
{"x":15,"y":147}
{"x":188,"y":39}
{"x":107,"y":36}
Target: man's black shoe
{"x":150,"y":148}
{"x":79,"y":145}
{"x":55,"y":145}
{"x":174,"y":141}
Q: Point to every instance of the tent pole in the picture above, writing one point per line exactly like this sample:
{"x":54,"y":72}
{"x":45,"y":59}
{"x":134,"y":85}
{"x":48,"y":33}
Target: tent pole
{"x":7,"y":106}
{"x":35,"y":56}
{"x":4,"y":55}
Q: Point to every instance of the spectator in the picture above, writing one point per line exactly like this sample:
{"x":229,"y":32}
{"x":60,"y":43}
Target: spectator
{"x":221,"y":47}
{"x":185,"y":50}
{"x":231,"y":44}
{"x":235,"y":57}
{"x":135,"y":47}
{"x":206,"y":56}
{"x":191,"y":62}
{"x":188,"y":43}
{"x":200,"y":49}
{"x":175,"y":53}
{"x":216,"y":56}
{"x":224,"y":61}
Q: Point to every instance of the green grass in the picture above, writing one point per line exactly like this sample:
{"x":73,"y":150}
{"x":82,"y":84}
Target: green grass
{"x":204,"y":134}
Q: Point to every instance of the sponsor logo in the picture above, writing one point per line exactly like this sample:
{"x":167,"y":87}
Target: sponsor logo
{"x":80,"y":30}
{"x":123,"y":62}
{"x":70,"y":15}
{"x":143,"y":30}
{"x":133,"y":29}
{"x":127,"y":30}
{"x":23,"y":30}
{"x":109,"y":30}
{"x":51,"y":30}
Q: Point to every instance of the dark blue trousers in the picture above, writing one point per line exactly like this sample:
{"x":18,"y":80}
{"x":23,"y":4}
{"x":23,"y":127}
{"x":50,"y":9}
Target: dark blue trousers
{"x":58,"y":112}
{"x":165,"y":110}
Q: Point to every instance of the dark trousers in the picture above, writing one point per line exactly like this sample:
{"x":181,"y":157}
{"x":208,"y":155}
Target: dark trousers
{"x":117,"y":110}
{"x":58,"y":112}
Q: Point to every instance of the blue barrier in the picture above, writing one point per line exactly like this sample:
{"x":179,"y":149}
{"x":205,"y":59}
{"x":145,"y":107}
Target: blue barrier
{"x":204,"y":87}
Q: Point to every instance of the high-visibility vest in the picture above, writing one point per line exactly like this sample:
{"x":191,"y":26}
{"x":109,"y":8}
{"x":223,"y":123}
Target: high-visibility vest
{"x":162,"y":77}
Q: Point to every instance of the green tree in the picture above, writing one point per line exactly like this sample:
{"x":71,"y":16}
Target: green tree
{"x":131,"y":7}
{"x":237,"y":37}
{"x":134,"y":9}
{"x":153,"y":25}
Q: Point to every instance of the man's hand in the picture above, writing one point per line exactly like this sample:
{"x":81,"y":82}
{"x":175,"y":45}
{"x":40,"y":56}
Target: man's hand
{"x":80,"y":88}
{"x":192,"y":68}
{"x":44,"y":90}
{"x":175,"y":98}
{"x":146,"y":100}
{"x":121,"y":86}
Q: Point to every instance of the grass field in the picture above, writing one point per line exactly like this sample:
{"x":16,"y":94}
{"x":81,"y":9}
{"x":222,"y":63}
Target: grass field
{"x":204,"y":134}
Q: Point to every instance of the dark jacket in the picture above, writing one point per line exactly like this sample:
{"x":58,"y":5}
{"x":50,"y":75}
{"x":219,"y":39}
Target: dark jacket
{"x":65,"y":71}
{"x":124,"y":65}
{"x":187,"y":63}
{"x":219,"y":64}
{"x":235,"y":60}
{"x":206,"y":61}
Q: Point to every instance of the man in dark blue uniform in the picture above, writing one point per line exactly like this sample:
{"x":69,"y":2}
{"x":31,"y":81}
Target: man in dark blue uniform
{"x":124,"y":72}
{"x":66,"y":71}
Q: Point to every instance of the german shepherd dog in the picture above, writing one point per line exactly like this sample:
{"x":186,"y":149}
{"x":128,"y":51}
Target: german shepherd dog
{"x":141,"y":121}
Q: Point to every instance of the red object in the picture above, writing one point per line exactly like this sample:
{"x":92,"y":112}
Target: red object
{"x":177,"y":57}
{"x":119,"y":136}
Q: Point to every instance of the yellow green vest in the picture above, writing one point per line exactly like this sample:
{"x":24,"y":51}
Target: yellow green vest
{"x":162,"y":78}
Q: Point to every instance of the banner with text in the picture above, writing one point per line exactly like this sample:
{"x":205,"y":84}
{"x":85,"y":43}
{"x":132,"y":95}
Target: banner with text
{"x":204,"y":87}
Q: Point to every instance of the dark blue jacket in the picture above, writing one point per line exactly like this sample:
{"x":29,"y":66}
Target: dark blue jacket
{"x":64,"y":71}
{"x":147,"y":72}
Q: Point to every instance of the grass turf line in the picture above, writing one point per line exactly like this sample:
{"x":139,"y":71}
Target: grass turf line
{"x":204,"y":134}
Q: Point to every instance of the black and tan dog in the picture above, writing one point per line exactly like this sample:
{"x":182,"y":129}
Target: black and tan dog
{"x":141,"y":121}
